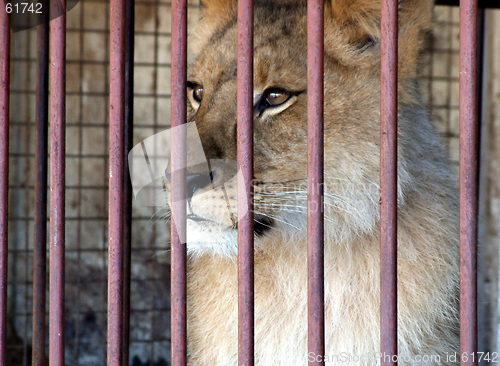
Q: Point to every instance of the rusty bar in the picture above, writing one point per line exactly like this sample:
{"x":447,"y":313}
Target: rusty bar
{"x":116,"y":181}
{"x":315,"y":164}
{"x":40,"y":236}
{"x":127,"y":188}
{"x":388,"y":181}
{"x":468,"y":179}
{"x":4,"y":172}
{"x":245,"y":189}
{"x":57,"y":181}
{"x":178,"y":180}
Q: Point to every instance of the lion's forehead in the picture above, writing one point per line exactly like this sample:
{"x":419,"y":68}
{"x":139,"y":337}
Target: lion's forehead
{"x":279,"y":59}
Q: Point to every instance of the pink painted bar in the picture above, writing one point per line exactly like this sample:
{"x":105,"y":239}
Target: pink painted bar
{"x":4,"y":172}
{"x":388,"y":181}
{"x":178,"y":180}
{"x":245,"y":189}
{"x":57,"y":134}
{"x":468,"y":179}
{"x":315,"y":179}
{"x":116,"y":180}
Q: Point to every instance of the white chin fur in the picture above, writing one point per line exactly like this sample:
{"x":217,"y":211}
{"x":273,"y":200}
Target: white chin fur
{"x":211,"y":237}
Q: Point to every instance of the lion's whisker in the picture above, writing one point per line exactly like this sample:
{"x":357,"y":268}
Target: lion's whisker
{"x":275,"y":218}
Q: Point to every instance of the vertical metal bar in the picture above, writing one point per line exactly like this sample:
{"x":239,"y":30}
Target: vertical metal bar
{"x":468,"y":180}
{"x":315,"y":176}
{"x":178,"y":180}
{"x":245,"y":189}
{"x":40,"y":237}
{"x":57,"y":180}
{"x":116,"y":180}
{"x":127,"y":189}
{"x":4,"y":172}
{"x":388,"y":181}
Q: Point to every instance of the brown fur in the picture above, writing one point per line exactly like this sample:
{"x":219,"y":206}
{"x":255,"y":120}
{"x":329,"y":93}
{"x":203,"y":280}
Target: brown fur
{"x":427,"y":230}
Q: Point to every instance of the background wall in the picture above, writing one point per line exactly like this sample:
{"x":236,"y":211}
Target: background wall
{"x":86,"y":206}
{"x":490,"y":186}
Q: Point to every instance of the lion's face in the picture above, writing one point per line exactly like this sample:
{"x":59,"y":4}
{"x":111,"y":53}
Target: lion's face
{"x":280,"y":128}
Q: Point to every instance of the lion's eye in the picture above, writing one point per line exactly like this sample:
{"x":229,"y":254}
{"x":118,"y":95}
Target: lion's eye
{"x":275,"y":96}
{"x":274,"y":100}
{"x":195,"y":93}
{"x":198,"y":93}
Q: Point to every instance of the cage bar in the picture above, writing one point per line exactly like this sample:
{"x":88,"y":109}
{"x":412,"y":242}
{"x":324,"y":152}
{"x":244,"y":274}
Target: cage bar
{"x":245,"y":188}
{"x":4,"y":172}
{"x":116,"y":181}
{"x":57,"y":181}
{"x":388,"y":181}
{"x":178,"y":183}
{"x":468,"y":179}
{"x":127,"y":188}
{"x":40,"y":218}
{"x":315,"y":180}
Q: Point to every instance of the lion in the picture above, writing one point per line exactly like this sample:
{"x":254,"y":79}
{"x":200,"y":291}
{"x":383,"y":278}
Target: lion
{"x":427,"y":191}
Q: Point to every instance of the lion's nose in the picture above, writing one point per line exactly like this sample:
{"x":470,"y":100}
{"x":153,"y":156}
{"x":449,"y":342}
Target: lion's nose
{"x":197,"y":181}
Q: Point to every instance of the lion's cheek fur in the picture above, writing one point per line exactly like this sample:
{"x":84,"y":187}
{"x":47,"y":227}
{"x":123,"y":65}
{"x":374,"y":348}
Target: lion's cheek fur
{"x":427,"y":283}
{"x":427,"y":287}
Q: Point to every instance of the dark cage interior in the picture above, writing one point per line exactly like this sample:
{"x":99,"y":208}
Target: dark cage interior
{"x":87,"y":117}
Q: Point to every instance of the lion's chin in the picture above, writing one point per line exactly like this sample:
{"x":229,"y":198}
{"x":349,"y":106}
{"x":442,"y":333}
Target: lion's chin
{"x":209,"y":237}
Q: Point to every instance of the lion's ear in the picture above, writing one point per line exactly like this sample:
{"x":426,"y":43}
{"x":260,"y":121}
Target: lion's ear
{"x":359,"y":23}
{"x":363,"y":16}
{"x":218,"y":8}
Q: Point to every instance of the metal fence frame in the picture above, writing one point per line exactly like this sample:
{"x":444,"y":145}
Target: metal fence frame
{"x":120,"y":139}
